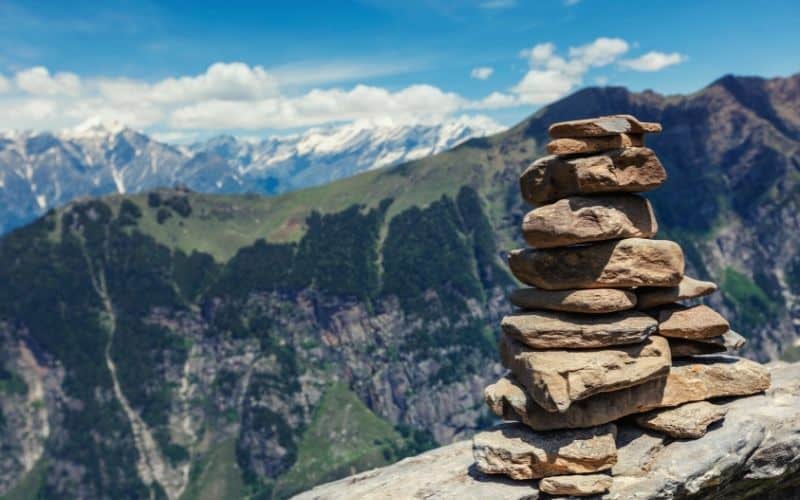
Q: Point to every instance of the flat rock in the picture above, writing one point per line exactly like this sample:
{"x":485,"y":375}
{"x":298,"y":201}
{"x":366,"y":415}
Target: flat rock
{"x":579,"y":485}
{"x":691,"y":379}
{"x":628,"y":170}
{"x":559,"y":330}
{"x":695,"y":322}
{"x":556,"y":378}
{"x":754,"y":453}
{"x":729,"y":341}
{"x":687,"y":421}
{"x":581,"y":219}
{"x":588,"y":145}
{"x":518,"y":452}
{"x":688,"y":288}
{"x":614,"y":264}
{"x":602,"y":126}
{"x":592,"y":301}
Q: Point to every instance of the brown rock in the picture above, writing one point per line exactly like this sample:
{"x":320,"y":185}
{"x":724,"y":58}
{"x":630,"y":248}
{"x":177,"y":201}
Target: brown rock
{"x":687,"y":421}
{"x":613,"y":264}
{"x":602,"y":126}
{"x":696,"y":322}
{"x":696,"y":379}
{"x":729,"y":341}
{"x":557,"y":378}
{"x":624,"y":170}
{"x":520,"y":453}
{"x":688,"y":288}
{"x":594,"y":301}
{"x":588,"y":145}
{"x":558,"y":330}
{"x":582,"y":219}
{"x":577,"y":485}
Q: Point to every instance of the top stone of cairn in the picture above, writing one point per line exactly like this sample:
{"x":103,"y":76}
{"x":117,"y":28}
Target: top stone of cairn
{"x":602,"y":126}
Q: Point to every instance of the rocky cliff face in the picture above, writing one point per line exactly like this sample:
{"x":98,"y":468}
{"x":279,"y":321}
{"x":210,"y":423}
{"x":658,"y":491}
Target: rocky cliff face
{"x":752,"y":454}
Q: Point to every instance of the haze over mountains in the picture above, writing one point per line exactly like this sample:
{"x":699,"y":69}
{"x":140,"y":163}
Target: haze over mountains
{"x":42,"y":170}
{"x":204,"y":343}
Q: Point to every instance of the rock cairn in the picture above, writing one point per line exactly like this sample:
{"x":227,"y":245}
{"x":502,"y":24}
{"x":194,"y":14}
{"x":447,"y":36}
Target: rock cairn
{"x":601,"y":335}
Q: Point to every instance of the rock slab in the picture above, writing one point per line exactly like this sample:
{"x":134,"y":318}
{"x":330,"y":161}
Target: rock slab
{"x":516,"y":451}
{"x":554,"y":330}
{"x":729,"y":341}
{"x":693,"y":379}
{"x":555,"y":379}
{"x":581,"y":219}
{"x":687,"y":421}
{"x":587,"y":145}
{"x":593,"y":301}
{"x":578,"y":485}
{"x":628,"y":170}
{"x":754,"y":453}
{"x":688,"y":288}
{"x":696,"y":322}
{"x":602,"y":126}
{"x":615,"y":264}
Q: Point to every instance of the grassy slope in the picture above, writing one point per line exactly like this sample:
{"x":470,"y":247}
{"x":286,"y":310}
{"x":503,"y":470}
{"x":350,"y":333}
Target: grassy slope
{"x":29,"y":486}
{"x":221,"y":224}
{"x":219,"y":476}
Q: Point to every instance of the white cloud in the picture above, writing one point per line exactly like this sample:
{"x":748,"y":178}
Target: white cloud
{"x":552,"y":76}
{"x":38,"y":81}
{"x":601,"y":80}
{"x":653,"y":61}
{"x":481,"y":73}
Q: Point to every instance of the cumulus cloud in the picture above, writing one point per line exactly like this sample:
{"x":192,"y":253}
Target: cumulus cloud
{"x":5,"y":85}
{"x":481,"y":73}
{"x":653,"y":61}
{"x":552,"y":76}
{"x":38,"y":81}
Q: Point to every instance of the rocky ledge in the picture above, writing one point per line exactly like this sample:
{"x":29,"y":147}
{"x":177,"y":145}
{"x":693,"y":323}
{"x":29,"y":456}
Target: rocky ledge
{"x":753,"y":453}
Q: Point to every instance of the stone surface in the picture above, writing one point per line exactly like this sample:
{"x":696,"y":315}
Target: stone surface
{"x":554,"y":330}
{"x":581,"y":219}
{"x":602,"y":126}
{"x":588,"y":145}
{"x":687,"y":421}
{"x":592,"y":301}
{"x":729,"y":341}
{"x":613,"y":264}
{"x":696,"y":322}
{"x":625,"y":170}
{"x":516,"y":451}
{"x":579,"y":485}
{"x":754,"y":453}
{"x":688,"y":288}
{"x":556,"y":378}
{"x":693,"y":379}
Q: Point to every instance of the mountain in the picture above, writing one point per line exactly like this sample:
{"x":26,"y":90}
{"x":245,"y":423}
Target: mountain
{"x":42,"y":170}
{"x":184,"y":345}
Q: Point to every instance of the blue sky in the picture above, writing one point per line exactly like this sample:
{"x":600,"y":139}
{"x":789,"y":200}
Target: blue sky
{"x":183,"y":69}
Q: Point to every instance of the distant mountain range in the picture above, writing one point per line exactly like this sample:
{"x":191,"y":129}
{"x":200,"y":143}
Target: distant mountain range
{"x":184,"y":345}
{"x":42,"y":170}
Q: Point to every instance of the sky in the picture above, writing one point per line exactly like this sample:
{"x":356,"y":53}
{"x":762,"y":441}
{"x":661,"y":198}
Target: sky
{"x":187,"y":69}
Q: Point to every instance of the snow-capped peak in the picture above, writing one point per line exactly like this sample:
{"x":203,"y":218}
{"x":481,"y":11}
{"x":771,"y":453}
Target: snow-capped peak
{"x":93,"y":128}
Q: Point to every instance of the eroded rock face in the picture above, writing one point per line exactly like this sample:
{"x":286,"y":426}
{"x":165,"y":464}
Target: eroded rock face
{"x":694,"y":379}
{"x":696,"y":322}
{"x":579,"y":485}
{"x":555,"y":379}
{"x":690,"y":420}
{"x":588,"y":145}
{"x":625,"y":263}
{"x":754,"y":452}
{"x":552,"y":330}
{"x":518,"y":452}
{"x":602,"y":126}
{"x":627,"y":170}
{"x":593,"y":301}
{"x":688,"y":288}
{"x":580,"y":219}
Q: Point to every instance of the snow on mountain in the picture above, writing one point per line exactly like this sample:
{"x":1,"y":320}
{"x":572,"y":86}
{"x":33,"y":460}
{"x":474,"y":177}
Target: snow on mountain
{"x":41,"y":170}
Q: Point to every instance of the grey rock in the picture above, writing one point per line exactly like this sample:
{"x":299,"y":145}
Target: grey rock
{"x":690,"y":420}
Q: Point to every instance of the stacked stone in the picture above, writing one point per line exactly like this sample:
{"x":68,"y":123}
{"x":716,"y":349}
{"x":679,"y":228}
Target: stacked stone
{"x":601,"y":334}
